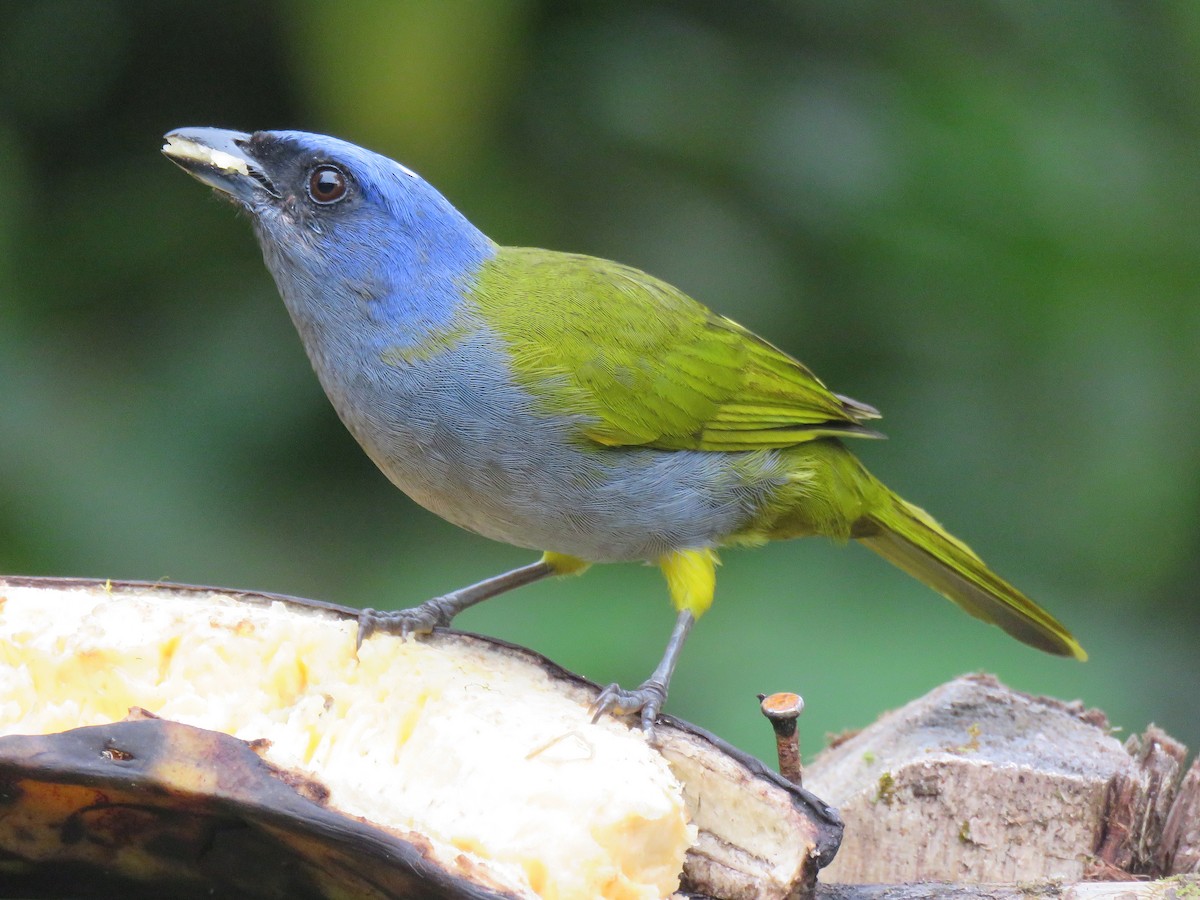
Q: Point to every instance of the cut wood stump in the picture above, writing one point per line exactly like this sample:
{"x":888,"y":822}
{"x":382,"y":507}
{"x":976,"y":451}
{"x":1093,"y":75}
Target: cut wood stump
{"x":975,"y":783}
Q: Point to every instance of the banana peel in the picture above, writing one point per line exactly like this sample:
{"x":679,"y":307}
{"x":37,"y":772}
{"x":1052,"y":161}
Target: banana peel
{"x":175,"y":740}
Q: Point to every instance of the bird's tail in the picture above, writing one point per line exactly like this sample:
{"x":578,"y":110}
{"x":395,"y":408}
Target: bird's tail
{"x":909,"y":538}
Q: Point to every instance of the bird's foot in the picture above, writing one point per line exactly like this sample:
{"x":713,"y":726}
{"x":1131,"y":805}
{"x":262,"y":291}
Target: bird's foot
{"x":647,"y":700}
{"x":435,"y":613}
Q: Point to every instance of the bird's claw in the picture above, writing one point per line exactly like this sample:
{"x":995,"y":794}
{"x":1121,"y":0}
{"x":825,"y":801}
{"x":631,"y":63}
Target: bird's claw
{"x":403,"y":622}
{"x":647,"y":700}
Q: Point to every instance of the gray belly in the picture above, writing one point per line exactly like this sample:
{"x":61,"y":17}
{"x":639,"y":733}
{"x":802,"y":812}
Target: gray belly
{"x":456,"y":435}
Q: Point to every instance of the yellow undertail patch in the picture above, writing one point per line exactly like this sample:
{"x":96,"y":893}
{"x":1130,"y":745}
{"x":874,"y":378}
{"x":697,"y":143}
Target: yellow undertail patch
{"x":691,"y":579}
{"x":563,"y":564}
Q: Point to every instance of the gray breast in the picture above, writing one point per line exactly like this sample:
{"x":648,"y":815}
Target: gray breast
{"x":458,"y":436}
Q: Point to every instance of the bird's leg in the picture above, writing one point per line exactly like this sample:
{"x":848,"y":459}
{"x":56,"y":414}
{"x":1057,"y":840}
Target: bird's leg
{"x":440,"y":610}
{"x":649,"y":698}
{"x":691,"y":579}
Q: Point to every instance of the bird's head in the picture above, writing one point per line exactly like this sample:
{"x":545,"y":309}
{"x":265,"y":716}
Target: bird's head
{"x":330,"y":214}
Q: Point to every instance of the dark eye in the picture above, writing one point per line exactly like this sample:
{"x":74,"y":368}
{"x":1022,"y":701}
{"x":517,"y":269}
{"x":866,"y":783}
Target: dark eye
{"x":327,"y":184}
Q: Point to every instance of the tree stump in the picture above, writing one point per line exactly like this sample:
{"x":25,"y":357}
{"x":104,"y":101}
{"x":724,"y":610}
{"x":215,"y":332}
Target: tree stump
{"x":977,"y":783}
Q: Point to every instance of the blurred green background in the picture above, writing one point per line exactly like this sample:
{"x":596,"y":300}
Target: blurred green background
{"x":981,"y":217}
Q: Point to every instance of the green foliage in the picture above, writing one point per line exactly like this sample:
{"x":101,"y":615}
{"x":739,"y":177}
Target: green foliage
{"x":981,"y":218}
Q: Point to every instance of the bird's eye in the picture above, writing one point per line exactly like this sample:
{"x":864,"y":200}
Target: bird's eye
{"x":327,"y":184}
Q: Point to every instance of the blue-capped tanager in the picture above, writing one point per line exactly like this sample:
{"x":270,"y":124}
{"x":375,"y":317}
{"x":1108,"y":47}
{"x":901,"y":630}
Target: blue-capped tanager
{"x":564,"y":403}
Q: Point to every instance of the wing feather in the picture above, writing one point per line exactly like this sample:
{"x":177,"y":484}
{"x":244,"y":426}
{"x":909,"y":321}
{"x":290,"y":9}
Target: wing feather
{"x":642,"y":364}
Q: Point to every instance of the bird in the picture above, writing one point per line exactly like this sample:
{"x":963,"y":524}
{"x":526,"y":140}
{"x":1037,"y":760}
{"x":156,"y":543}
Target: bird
{"x":564,"y":403}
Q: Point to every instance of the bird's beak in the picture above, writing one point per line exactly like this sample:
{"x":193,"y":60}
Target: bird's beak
{"x":221,"y":160}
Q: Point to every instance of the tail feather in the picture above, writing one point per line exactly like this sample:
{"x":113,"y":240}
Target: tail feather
{"x":908,"y":537}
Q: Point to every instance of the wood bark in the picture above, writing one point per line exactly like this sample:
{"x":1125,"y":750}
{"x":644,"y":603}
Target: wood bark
{"x":976,"y":783}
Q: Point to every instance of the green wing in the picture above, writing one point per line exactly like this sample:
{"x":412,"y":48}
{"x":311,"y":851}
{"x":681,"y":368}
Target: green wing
{"x":645,"y":364}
